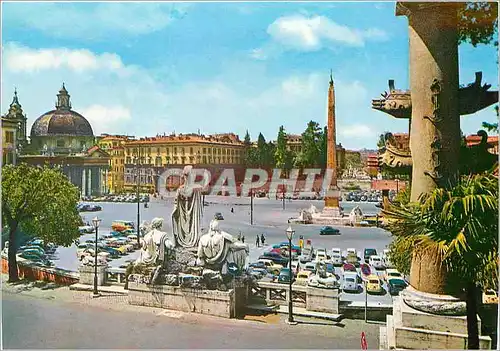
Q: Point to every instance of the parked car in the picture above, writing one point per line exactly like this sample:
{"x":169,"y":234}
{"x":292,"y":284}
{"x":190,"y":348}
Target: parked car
{"x":392,"y":273}
{"x":86,"y":229}
{"x":348,"y":267}
{"x":387,"y":261}
{"x":271,"y":267}
{"x":303,"y":277}
{"x":275,"y":257}
{"x":352,"y":251}
{"x":310,"y":266}
{"x":352,"y":259}
{"x":113,"y":253}
{"x":321,"y":255}
{"x":396,"y":285}
{"x":490,"y":296}
{"x":336,"y":259}
{"x":306,"y":255}
{"x":122,"y":249}
{"x":121,"y":225}
{"x":336,"y":251}
{"x":376,"y":262}
{"x":218,"y":216}
{"x":285,"y":276}
{"x":350,"y":283}
{"x":368,"y":253}
{"x":257,"y":265}
{"x":373,"y":285}
{"x":366,"y":271}
{"x":329,"y":231}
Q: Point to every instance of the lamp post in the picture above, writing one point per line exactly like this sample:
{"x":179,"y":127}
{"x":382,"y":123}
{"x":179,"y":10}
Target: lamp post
{"x":251,"y":206}
{"x":284,"y":191}
{"x":289,"y":234}
{"x":138,"y":181}
{"x":96,"y":221}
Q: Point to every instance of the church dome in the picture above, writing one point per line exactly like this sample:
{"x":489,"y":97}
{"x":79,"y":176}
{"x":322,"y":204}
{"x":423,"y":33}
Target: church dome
{"x":61,"y":121}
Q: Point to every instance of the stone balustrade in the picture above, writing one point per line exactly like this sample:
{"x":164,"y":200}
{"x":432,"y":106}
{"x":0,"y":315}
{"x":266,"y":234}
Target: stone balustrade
{"x":115,"y":275}
{"x":312,"y":299}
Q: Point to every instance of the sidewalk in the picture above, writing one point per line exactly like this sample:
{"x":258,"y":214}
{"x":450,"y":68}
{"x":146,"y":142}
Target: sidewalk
{"x":115,"y":289}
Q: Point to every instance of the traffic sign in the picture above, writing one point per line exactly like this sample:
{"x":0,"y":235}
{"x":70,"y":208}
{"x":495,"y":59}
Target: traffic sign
{"x":364,"y":344}
{"x":233,"y":269}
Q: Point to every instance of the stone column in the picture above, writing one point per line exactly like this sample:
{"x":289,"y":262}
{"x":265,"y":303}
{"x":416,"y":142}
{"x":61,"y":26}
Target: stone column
{"x":435,"y":122}
{"x":84,"y":181}
{"x":89,"y":185}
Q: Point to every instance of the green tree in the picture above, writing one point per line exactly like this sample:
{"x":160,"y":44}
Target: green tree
{"x":478,"y":23}
{"x":381,"y":140}
{"x":311,"y":145}
{"x":281,"y":153}
{"x":39,"y":201}
{"x":460,"y":226}
{"x":323,"y":148}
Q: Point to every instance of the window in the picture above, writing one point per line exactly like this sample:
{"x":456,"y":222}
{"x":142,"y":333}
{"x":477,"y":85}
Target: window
{"x":204,"y":150}
{"x":175,"y":150}
{"x":204,"y":159}
{"x":60,"y":143}
{"x":9,"y":137}
{"x":168,"y":150}
{"x":191,"y":150}
{"x":157,"y":150}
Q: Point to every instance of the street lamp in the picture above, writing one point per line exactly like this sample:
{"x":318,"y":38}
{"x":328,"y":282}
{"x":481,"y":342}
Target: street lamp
{"x":96,"y":221}
{"x":289,"y":234}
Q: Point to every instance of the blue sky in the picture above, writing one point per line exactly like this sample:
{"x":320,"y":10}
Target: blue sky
{"x":153,"y":68}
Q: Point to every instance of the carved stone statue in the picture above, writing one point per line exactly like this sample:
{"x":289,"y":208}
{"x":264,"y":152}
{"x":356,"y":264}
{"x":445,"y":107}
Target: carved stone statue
{"x":156,"y":245}
{"x":217,"y":249}
{"x":186,"y":216}
{"x":356,"y":215}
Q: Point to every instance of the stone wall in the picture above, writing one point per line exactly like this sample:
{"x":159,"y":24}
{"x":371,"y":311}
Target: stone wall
{"x":87,"y":275}
{"x":30,"y":271}
{"x":211,"y":302}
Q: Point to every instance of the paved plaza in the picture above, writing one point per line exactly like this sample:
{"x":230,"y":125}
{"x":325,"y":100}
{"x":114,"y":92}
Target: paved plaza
{"x":269,"y":218}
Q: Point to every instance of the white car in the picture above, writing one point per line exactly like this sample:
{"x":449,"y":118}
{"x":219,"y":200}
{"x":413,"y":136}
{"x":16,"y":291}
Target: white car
{"x":337,"y":259}
{"x":306,"y":255}
{"x":320,"y":251}
{"x":376,"y":262}
{"x":352,"y":251}
{"x":387,"y":261}
{"x":350,"y":282}
{"x":336,"y":250}
{"x":321,"y":256}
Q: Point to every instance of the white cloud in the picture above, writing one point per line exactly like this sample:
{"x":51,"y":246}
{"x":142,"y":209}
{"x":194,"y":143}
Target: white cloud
{"x":94,"y":20}
{"x":312,"y":33}
{"x":132,"y":100}
{"x":23,"y":59}
{"x":105,"y":118}
{"x":357,"y":131}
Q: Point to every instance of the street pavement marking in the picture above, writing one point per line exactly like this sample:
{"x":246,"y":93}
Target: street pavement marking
{"x":171,"y":314}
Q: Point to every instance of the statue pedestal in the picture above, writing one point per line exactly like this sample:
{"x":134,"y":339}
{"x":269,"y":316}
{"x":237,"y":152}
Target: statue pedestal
{"x":224,"y":304}
{"x":87,"y":274}
{"x":409,"y":328}
{"x":330,"y":215}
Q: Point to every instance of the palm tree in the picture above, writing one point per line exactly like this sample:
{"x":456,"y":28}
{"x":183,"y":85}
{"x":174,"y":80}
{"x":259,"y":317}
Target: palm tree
{"x":459,"y":227}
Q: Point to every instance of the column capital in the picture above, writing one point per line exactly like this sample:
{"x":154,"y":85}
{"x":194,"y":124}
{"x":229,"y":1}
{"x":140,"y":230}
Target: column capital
{"x":404,"y":8}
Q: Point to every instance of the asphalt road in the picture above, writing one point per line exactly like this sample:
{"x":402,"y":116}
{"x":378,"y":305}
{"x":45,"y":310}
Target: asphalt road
{"x":36,"y":323}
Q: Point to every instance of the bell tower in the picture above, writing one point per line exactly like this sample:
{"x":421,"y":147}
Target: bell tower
{"x":63,"y":102}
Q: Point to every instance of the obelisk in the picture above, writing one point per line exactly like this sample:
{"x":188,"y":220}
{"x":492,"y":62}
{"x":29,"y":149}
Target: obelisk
{"x":332,"y":198}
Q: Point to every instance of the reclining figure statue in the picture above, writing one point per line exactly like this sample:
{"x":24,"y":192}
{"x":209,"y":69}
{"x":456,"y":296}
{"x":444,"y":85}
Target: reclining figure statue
{"x":157,"y":247}
{"x":217,"y":249}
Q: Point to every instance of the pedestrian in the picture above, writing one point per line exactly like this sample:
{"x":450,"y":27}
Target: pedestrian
{"x":239,"y":236}
{"x":257,"y":242}
{"x":232,"y":210}
{"x":243,"y":239}
{"x":262,"y":239}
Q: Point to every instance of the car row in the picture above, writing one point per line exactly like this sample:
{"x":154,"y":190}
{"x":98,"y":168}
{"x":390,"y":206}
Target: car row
{"x":82,"y":207}
{"x":119,"y":198}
